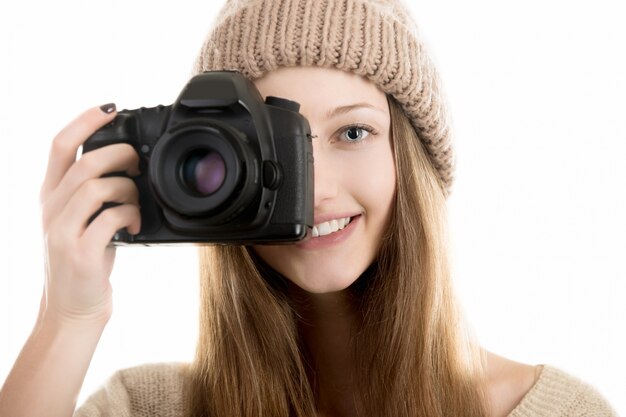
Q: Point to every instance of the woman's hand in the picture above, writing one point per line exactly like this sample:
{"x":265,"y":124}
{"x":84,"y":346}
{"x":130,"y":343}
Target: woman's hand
{"x":78,"y":260}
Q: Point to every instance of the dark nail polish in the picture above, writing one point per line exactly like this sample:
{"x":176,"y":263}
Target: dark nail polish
{"x":108,"y":108}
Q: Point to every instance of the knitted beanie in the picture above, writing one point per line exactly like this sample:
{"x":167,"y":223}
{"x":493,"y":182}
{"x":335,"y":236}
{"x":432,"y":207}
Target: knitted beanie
{"x":376,"y":39}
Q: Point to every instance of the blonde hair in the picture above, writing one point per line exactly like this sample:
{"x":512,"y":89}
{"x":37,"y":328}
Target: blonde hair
{"x":414,"y":356}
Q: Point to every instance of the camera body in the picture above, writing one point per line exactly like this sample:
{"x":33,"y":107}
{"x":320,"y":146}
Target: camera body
{"x":219,"y":165}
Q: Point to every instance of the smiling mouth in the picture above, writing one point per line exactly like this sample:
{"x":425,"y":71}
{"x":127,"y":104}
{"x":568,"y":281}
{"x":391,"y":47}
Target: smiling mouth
{"x":329,"y":227}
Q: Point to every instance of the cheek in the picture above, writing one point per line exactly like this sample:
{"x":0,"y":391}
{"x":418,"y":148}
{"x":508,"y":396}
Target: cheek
{"x":373,"y":181}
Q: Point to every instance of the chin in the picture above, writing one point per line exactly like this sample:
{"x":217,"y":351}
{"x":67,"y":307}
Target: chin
{"x":312,"y":277}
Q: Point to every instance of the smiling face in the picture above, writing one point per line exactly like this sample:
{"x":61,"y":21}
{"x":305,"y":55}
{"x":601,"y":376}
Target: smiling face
{"x":354,"y":176}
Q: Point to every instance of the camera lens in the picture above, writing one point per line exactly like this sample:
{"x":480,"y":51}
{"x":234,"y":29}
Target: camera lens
{"x":204,"y":171}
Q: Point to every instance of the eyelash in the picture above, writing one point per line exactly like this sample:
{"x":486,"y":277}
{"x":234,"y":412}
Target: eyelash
{"x":370,"y":130}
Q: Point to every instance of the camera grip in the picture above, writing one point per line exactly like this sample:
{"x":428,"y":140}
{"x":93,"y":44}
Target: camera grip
{"x":121,"y":130}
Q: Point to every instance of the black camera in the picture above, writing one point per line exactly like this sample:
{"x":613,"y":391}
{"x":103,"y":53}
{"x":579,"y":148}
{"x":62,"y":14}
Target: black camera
{"x":220,"y":165}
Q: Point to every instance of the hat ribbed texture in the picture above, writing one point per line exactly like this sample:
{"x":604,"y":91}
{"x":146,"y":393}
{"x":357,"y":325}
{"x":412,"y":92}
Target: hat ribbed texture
{"x":376,"y":39}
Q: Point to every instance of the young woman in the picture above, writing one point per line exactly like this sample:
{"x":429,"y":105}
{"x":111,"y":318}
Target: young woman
{"x":360,"y":317}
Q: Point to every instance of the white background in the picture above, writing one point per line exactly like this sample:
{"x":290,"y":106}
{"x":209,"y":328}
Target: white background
{"x":537,"y":93}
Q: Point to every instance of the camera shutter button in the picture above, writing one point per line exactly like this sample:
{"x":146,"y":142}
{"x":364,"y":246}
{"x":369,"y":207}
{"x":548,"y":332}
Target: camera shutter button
{"x":271,"y":175}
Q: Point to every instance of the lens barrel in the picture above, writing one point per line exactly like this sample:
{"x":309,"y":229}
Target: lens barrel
{"x":204,"y":170}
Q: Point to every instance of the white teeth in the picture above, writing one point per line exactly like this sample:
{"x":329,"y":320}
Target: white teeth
{"x":329,"y":227}
{"x":324,"y":228}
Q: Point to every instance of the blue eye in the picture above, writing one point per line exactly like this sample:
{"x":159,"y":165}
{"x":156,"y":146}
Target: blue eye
{"x":356,"y":133}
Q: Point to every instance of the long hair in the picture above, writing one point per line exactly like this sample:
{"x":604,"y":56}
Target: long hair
{"x":413,"y":352}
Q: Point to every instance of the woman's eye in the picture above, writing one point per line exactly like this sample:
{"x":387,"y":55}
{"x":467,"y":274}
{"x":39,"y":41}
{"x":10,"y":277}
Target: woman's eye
{"x":355,"y":133}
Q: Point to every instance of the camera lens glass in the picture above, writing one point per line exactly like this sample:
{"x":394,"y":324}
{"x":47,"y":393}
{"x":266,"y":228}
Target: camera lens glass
{"x":204,"y":171}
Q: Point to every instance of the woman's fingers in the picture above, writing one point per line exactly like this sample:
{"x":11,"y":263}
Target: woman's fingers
{"x":89,"y":199}
{"x":66,"y":143}
{"x":112,"y":158}
{"x":100,"y":231}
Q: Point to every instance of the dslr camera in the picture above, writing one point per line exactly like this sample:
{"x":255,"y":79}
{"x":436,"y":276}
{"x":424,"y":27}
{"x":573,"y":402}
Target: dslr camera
{"x":219,"y":166}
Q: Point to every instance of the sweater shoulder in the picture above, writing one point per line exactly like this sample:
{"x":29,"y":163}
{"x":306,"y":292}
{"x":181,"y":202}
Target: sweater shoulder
{"x":154,"y":390}
{"x":557,"y":393}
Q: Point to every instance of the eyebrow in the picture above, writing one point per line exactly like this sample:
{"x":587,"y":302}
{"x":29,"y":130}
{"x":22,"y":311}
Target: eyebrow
{"x":351,"y":107}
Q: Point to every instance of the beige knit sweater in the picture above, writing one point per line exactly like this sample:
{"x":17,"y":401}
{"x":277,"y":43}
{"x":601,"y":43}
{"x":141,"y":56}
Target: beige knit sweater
{"x":155,"y":390}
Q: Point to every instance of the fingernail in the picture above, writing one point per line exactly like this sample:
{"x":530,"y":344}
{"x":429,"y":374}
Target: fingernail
{"x":108,"y":108}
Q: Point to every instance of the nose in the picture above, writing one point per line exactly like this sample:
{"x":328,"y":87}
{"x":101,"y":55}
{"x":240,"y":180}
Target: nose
{"x":325,"y":175}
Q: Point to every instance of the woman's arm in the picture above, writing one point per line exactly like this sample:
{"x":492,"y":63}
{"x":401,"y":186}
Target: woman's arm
{"x":76,"y":302}
{"x":48,"y":374}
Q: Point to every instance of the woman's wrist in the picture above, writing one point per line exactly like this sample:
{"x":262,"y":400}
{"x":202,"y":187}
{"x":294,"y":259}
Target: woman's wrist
{"x":96,"y":317}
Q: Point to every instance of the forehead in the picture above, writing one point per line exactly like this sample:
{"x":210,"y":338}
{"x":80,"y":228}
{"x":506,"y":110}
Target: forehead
{"x":319,"y":90}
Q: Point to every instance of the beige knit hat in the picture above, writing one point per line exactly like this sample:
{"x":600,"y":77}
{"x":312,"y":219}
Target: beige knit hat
{"x":373,"y":38}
